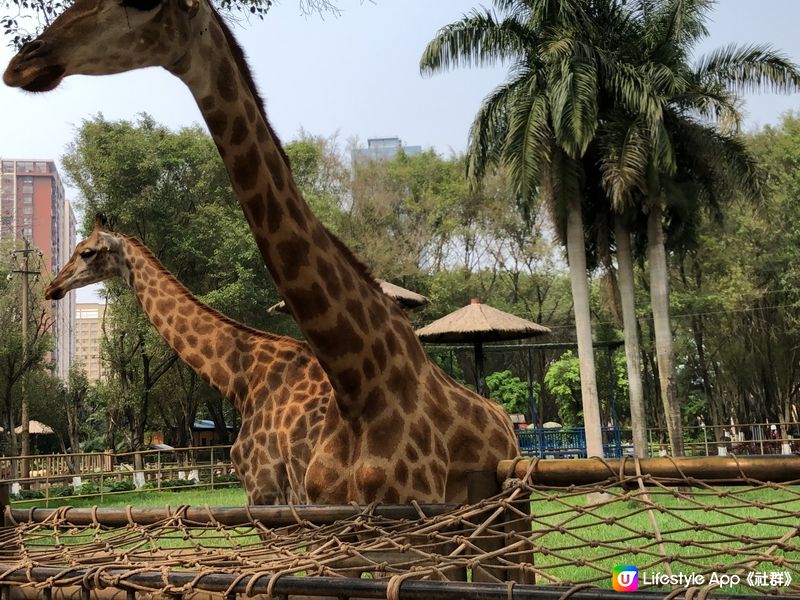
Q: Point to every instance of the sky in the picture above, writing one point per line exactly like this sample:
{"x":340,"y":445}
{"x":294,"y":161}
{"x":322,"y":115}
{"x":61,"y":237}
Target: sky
{"x":355,"y":75}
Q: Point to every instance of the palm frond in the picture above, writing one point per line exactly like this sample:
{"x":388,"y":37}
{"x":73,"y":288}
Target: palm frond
{"x":574,"y":105}
{"x":528,"y":140}
{"x":631,"y":88}
{"x":712,"y":101}
{"x":490,"y":127}
{"x":624,"y":147}
{"x":675,"y":25}
{"x":751,"y":68}
{"x":518,"y":9}
{"x":720,"y":162}
{"x":479,"y":39}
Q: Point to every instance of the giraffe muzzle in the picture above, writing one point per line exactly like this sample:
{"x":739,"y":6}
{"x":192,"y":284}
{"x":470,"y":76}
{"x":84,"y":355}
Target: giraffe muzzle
{"x":54,"y":293}
{"x":33,"y":68}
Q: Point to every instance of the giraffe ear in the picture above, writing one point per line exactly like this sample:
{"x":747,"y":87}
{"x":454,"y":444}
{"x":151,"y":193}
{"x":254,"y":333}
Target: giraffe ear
{"x":190,"y":6}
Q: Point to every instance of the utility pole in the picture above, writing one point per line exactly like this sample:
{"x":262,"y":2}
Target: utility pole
{"x":25,"y":271}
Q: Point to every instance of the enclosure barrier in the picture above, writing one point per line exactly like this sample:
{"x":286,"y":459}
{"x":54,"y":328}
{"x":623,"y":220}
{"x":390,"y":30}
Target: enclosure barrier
{"x":535,"y":538}
{"x":60,"y":476}
{"x":269,"y":516}
{"x":720,"y":470}
{"x":215,"y":586}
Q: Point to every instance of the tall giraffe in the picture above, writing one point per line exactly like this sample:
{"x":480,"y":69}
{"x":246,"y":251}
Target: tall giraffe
{"x":274,"y":382}
{"x":400,"y":428}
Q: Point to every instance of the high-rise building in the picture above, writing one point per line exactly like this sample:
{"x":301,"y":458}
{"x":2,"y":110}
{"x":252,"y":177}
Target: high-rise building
{"x":88,"y":333}
{"x":384,"y":149}
{"x":33,"y":206}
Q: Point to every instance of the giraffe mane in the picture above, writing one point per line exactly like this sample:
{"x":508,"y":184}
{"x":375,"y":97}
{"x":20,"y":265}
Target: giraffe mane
{"x":359,"y":265}
{"x":244,"y":68}
{"x":187,"y":295}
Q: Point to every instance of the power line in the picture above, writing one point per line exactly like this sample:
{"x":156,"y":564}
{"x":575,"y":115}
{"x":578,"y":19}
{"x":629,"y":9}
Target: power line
{"x":695,"y":314}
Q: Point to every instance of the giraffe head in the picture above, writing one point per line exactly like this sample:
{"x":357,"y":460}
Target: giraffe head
{"x":97,"y":258}
{"x":101,"y":37}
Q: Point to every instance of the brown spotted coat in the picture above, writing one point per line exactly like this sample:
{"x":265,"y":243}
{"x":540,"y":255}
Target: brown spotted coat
{"x":400,"y":428}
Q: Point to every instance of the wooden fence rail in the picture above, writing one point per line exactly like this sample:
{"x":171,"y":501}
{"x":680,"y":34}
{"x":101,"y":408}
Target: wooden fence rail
{"x":77,"y":475}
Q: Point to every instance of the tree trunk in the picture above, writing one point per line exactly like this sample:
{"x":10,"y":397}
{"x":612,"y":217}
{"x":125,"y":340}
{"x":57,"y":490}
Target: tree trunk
{"x":576,"y":255}
{"x":73,"y":431}
{"x":659,"y":299}
{"x":631,"y":333}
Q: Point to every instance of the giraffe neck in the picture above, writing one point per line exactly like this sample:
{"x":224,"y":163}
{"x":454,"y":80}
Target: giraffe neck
{"x":357,"y":334}
{"x":217,"y":348}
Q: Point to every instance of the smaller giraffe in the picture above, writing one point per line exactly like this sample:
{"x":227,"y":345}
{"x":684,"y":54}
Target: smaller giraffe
{"x":275,"y":382}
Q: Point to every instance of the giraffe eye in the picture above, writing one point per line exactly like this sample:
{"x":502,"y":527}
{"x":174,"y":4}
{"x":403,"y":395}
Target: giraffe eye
{"x":86,"y":254}
{"x":141,"y":4}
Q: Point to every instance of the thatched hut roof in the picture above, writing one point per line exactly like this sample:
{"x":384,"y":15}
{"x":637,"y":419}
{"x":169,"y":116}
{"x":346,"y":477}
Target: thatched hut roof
{"x":405,"y":298}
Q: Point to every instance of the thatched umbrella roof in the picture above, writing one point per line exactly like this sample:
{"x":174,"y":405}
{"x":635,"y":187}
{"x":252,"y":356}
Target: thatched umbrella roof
{"x":35,"y":428}
{"x":477,"y":323}
{"x":405,"y":298}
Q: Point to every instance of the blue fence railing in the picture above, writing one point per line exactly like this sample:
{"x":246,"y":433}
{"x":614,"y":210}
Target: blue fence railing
{"x":568,"y":442}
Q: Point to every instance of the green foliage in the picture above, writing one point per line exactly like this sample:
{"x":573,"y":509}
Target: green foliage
{"x":510,"y":391}
{"x":563,"y":381}
{"x":17,"y":365}
{"x":28,"y":495}
{"x":448,"y":362}
{"x":321,"y":175}
{"x":122,"y":485}
{"x":87,"y":489}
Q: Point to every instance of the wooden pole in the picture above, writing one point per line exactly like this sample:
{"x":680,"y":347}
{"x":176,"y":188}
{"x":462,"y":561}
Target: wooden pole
{"x":709,"y":469}
{"x":480,"y":486}
{"x":272,"y":516}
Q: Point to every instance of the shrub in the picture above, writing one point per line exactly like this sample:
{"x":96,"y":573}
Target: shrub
{"x":29,"y":495}
{"x":123,"y":485}
{"x":88,"y":489}
{"x":177,"y":483}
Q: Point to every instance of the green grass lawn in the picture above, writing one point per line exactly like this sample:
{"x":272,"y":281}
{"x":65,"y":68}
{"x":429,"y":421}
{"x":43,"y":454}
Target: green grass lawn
{"x":702,"y":531}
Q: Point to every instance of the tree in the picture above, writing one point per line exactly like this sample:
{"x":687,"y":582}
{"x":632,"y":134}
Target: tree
{"x":539,"y":124}
{"x":322,"y":175}
{"x":143,"y":177}
{"x":563,"y":380}
{"x":510,"y":391}
{"x":739,"y":283}
{"x":679,"y":159}
{"x":16,"y":363}
{"x":74,"y":396}
{"x":136,"y":359}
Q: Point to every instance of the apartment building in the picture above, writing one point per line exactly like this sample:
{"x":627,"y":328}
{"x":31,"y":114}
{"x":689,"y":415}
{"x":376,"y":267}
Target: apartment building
{"x":33,"y":206}
{"x":88,"y":333}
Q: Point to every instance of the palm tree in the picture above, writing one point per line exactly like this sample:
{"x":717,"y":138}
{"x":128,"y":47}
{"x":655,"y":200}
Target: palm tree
{"x":540,"y":123}
{"x":643,"y":168}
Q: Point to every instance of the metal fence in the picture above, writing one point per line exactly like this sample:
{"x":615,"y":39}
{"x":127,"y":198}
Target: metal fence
{"x":744,"y":439}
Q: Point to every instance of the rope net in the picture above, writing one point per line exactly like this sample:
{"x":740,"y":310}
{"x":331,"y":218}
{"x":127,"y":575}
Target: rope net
{"x":679,"y":534}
